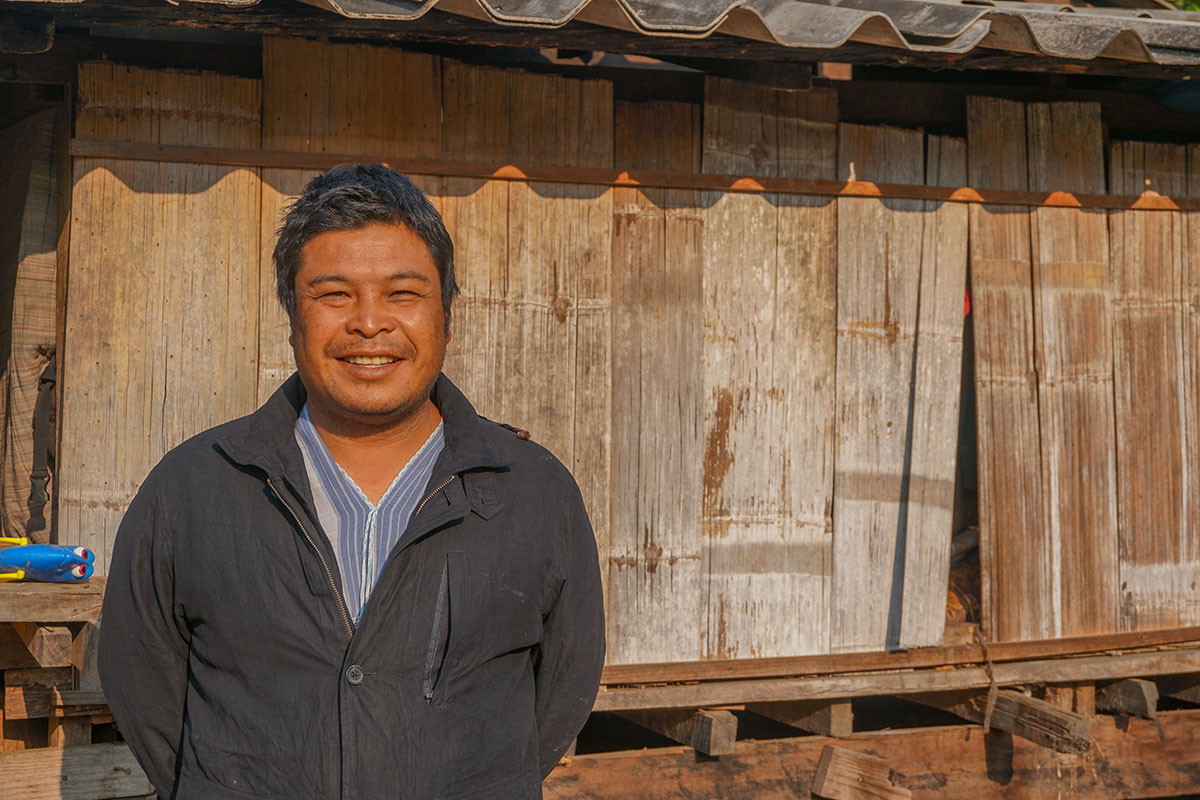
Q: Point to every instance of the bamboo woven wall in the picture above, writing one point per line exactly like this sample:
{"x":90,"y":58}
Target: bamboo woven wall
{"x":757,"y":393}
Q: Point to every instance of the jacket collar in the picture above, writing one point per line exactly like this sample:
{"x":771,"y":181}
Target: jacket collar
{"x":266,"y":439}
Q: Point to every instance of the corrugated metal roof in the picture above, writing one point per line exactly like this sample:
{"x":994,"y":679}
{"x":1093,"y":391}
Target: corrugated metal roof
{"x":1075,"y":33}
{"x":950,"y":27}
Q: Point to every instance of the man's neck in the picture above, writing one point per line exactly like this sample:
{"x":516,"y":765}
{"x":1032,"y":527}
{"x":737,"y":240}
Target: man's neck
{"x":373,"y":457}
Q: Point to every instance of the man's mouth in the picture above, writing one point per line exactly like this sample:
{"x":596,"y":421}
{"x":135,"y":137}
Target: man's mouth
{"x":370,"y":361}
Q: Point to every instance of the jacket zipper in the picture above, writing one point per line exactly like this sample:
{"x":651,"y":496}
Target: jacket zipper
{"x":429,"y":496}
{"x":324,"y":564}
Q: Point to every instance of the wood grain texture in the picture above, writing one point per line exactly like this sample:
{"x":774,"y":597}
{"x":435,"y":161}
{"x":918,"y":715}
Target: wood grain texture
{"x":1140,"y":759}
{"x":767,"y":390}
{"x":1039,"y":721}
{"x":937,"y":379}
{"x":840,"y":687}
{"x":162,"y":323}
{"x":1156,"y":470}
{"x":1074,"y":358}
{"x":90,"y":772}
{"x":656,"y":589}
{"x":849,"y":775}
{"x":1014,"y":545}
{"x":901,"y":271}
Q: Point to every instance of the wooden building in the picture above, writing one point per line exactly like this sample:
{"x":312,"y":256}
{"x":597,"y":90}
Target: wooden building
{"x":715,"y":258}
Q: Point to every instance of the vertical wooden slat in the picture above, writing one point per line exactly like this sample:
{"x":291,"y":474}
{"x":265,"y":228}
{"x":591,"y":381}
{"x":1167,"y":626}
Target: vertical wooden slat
{"x":1190,"y":222}
{"x":656,"y":587}
{"x":879,"y":273}
{"x":937,"y":374}
{"x":1073,"y":352}
{"x":768,"y":294}
{"x":162,"y":321}
{"x":1154,"y":471}
{"x":1014,"y":555}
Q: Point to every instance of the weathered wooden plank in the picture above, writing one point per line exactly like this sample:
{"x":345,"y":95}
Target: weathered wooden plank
{"x":1190,"y":550}
{"x":1073,"y":354}
{"x":52,"y":602}
{"x":1069,"y":670}
{"x":90,"y":772}
{"x":162,"y":323}
{"x":713,"y":733}
{"x":1039,"y":721}
{"x":1141,"y":759}
{"x":656,"y":590}
{"x":825,"y":719}
{"x":768,"y":356}
{"x":930,"y":465}
{"x":955,"y":655}
{"x":878,"y":283}
{"x":847,"y":775}
{"x":1013,"y":549}
{"x":1155,"y":470}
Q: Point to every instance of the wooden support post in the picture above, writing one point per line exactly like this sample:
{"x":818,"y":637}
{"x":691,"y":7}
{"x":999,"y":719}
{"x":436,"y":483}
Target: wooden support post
{"x":1036,"y":720}
{"x":815,"y":716}
{"x":847,"y":775}
{"x":50,"y":645}
{"x":1133,"y":696}
{"x":70,"y":731}
{"x":710,"y":732}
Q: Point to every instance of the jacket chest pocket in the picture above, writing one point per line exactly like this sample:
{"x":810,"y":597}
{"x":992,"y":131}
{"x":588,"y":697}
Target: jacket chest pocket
{"x":477,"y":616}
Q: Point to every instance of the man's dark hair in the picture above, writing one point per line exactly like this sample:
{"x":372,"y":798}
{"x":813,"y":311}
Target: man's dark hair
{"x":350,"y":196}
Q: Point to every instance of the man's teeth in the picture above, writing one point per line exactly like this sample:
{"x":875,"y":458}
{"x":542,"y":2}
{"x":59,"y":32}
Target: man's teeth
{"x":370,"y":361}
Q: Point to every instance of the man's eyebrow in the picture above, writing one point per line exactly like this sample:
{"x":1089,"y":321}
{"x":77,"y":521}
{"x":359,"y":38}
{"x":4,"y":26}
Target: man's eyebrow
{"x":395,"y":276}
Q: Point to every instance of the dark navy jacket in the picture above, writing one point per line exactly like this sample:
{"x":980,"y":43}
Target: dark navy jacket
{"x":232,"y":668}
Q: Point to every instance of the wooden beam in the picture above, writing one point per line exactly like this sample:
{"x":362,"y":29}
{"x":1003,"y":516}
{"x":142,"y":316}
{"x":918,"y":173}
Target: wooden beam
{"x":840,"y":687}
{"x":1147,"y":759}
{"x":1036,"y":720}
{"x":1134,"y":696}
{"x":92,"y":772}
{"x":712,"y":733}
{"x":50,"y":645}
{"x":602,"y":176}
{"x":13,"y":652}
{"x":51,"y":602}
{"x":31,"y":693}
{"x":815,"y":716}
{"x":847,"y":775}
{"x":795,"y":666}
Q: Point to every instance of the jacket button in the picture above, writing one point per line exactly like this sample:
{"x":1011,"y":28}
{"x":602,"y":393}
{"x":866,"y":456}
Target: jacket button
{"x":354,"y":674}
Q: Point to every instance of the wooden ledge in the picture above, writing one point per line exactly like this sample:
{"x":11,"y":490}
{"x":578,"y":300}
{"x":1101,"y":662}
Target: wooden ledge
{"x":51,"y":602}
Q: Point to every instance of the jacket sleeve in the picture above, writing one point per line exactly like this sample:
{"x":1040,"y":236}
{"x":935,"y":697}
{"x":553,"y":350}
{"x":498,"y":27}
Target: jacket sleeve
{"x":571,"y":654}
{"x":143,"y":646}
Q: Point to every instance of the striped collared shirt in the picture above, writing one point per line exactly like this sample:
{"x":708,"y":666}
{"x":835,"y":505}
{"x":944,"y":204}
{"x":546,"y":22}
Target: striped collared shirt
{"x":362,"y":534}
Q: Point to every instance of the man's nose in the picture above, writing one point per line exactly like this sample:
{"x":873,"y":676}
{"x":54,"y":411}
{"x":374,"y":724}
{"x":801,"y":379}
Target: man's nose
{"x":370,"y":318}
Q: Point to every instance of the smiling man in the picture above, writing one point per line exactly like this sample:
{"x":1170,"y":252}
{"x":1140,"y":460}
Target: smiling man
{"x":362,"y":590}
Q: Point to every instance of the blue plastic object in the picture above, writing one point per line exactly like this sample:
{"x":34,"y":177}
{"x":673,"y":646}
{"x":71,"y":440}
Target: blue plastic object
{"x":55,"y":563}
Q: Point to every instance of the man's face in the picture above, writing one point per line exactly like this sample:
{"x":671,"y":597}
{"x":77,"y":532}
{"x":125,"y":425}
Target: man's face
{"x":369,"y":331}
